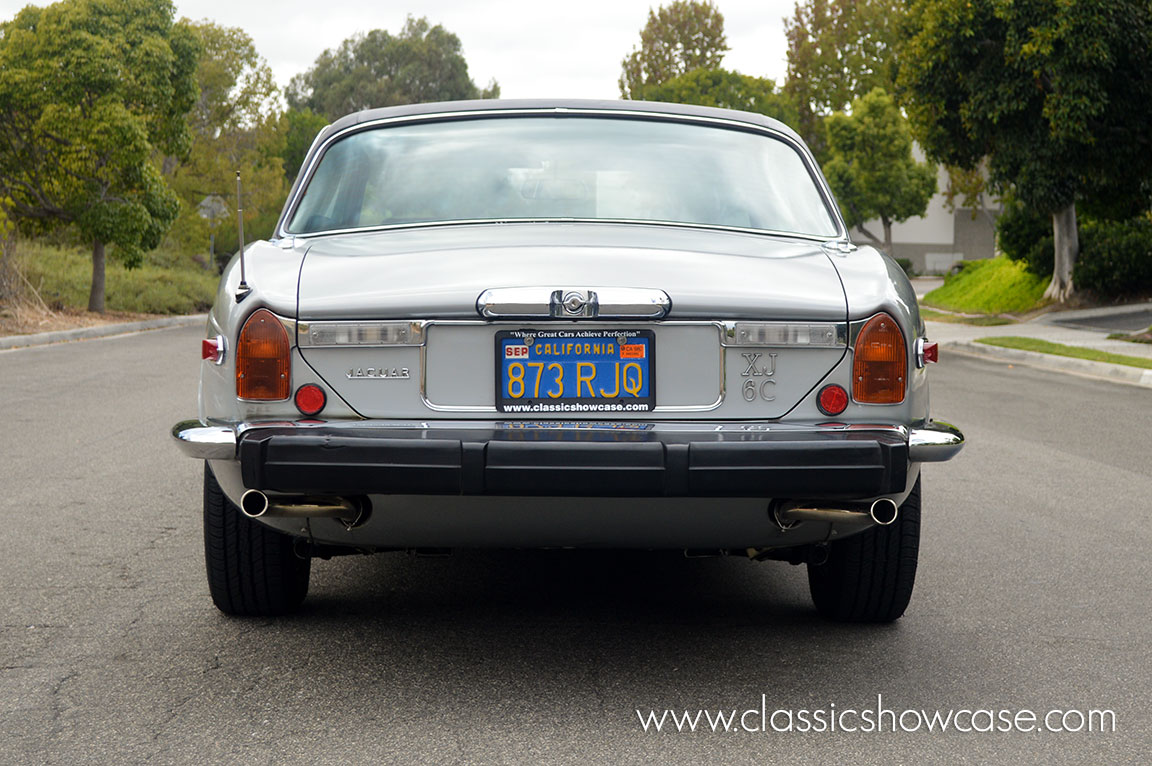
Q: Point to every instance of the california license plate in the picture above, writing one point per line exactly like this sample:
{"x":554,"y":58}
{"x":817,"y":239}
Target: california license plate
{"x":575,"y":371}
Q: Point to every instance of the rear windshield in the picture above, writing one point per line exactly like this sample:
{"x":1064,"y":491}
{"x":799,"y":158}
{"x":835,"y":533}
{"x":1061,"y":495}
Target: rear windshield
{"x":569,"y":168}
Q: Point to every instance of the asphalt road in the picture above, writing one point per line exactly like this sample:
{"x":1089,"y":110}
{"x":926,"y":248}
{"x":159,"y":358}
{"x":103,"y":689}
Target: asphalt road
{"x":1033,"y":594}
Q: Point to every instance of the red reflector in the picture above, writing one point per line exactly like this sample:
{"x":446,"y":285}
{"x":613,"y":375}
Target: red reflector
{"x":932,"y":352}
{"x":832,"y":400}
{"x":310,"y":399}
{"x":209,"y":349}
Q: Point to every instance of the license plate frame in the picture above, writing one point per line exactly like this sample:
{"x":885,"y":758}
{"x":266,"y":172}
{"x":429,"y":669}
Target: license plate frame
{"x":546,"y":391}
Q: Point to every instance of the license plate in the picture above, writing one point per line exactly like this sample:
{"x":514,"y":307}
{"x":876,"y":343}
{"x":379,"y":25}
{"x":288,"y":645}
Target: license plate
{"x":575,"y":371}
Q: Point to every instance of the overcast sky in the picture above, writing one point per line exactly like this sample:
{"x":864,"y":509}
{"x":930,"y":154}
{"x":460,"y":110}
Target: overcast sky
{"x":533,"y":48}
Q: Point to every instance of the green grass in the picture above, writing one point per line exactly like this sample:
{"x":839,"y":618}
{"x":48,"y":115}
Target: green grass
{"x":994,"y":286}
{"x":980,"y":321}
{"x":1076,"y":352}
{"x":1144,"y":337}
{"x":63,"y":277}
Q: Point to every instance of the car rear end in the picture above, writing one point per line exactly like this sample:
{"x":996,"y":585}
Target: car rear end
{"x":556,"y":370}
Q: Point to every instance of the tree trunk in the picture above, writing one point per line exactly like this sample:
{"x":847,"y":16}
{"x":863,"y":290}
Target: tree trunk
{"x":96,"y":296}
{"x":872,"y":237}
{"x":887,"y":235}
{"x":1067,"y":248}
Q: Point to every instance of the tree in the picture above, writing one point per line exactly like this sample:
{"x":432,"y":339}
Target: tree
{"x":1056,"y":95}
{"x":727,"y":90}
{"x":871,"y":168}
{"x":838,"y":50}
{"x":87,"y":92}
{"x":685,"y":35}
{"x":300,"y":128}
{"x":423,"y":63}
{"x":235,"y":126}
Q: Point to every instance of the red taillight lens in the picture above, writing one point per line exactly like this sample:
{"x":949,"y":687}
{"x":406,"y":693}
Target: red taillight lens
{"x":880,"y":364}
{"x":212,"y":349}
{"x":832,"y":400}
{"x":310,"y":399}
{"x":262,"y":359}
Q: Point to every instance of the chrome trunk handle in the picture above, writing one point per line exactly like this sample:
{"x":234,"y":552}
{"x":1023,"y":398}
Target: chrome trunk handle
{"x":573,"y":303}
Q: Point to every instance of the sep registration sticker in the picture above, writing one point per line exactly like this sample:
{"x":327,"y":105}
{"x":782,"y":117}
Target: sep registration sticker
{"x":573,"y":371}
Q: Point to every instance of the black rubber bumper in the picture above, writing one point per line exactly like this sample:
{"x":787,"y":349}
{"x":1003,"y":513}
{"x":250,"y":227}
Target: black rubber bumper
{"x":575,"y":462}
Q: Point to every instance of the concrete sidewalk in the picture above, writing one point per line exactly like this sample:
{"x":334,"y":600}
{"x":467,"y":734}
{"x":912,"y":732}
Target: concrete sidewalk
{"x":9,"y":342}
{"x":1088,"y":328}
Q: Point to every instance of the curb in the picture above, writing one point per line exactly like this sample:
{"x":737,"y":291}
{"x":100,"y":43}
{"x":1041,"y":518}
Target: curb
{"x":1115,"y":373}
{"x":100,"y":331}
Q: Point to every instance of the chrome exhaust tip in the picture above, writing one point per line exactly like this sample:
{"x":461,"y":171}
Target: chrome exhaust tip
{"x":352,"y":512}
{"x":884,"y":511}
{"x":254,"y":504}
{"x":787,"y":515}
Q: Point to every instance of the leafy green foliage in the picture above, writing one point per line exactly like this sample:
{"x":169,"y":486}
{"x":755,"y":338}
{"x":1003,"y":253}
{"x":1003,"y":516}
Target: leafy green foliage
{"x":1057,"y":95}
{"x":1116,"y":257}
{"x":300,"y":128}
{"x":423,"y":63}
{"x":727,"y":90}
{"x":871,"y":168}
{"x":236,"y":126}
{"x":1025,"y":235}
{"x":88,"y":92}
{"x":993,"y":286}
{"x":838,"y":50}
{"x":683,"y":36}
{"x":165,"y":283}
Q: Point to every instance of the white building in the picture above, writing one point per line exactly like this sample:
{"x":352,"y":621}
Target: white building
{"x":940,"y":238}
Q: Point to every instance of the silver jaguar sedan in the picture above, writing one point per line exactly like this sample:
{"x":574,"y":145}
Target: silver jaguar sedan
{"x":564,"y":324}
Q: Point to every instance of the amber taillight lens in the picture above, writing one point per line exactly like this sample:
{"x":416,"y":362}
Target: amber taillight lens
{"x":262,"y":359}
{"x":880,"y":365}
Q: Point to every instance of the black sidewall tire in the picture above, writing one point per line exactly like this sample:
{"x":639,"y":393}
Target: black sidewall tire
{"x":253,"y":571}
{"x":869,"y":577}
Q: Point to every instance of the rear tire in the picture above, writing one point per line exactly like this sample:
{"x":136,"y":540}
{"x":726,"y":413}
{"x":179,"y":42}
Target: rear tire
{"x":869,"y":577}
{"x":253,"y":571}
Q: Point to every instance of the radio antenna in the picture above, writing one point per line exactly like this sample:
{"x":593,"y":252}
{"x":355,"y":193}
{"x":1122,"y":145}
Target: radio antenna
{"x":243,"y":290}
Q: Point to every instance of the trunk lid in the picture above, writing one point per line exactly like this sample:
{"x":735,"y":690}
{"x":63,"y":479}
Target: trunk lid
{"x":438,"y":273}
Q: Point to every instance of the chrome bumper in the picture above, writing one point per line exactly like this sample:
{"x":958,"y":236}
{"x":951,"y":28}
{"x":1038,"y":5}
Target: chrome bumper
{"x":934,"y":442}
{"x":205,"y":442}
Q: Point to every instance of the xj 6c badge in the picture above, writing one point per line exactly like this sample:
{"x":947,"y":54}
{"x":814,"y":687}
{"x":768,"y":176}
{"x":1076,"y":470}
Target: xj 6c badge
{"x":761,"y":380}
{"x":377,"y":373}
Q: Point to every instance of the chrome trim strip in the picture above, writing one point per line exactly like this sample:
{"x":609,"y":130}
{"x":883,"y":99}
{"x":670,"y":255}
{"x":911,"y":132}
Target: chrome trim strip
{"x":238,"y":429}
{"x":204,"y":442}
{"x":805,"y":155}
{"x":934,"y":442}
{"x":503,"y":221}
